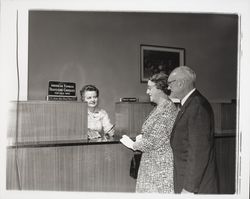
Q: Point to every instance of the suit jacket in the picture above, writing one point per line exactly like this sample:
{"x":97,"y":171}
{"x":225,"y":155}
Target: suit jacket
{"x":192,"y":141}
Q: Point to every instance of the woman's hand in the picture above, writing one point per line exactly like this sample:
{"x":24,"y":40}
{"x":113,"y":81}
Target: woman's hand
{"x":125,"y":140}
{"x":138,"y":138}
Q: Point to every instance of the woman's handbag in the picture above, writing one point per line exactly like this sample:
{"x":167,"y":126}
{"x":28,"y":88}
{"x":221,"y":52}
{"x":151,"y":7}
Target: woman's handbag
{"x":134,"y":165}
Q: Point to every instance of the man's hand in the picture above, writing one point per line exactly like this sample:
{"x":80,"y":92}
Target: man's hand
{"x":127,"y":141}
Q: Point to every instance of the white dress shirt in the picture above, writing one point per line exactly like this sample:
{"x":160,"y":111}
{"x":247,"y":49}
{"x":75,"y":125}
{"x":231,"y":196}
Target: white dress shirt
{"x":186,"y":97}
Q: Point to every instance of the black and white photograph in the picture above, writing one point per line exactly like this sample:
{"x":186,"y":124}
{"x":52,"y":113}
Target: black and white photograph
{"x":104,"y":102}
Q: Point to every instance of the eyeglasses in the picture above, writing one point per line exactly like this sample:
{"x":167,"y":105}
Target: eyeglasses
{"x":170,"y":82}
{"x":150,"y":87}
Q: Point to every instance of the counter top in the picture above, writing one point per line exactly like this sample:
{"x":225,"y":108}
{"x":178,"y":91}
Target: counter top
{"x":225,"y":133}
{"x":112,"y":140}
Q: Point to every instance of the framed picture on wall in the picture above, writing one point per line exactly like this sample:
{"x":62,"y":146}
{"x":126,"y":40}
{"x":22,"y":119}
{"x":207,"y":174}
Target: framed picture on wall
{"x":155,"y":59}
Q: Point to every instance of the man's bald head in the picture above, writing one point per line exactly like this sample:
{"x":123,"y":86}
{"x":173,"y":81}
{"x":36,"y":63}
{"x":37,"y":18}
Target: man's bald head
{"x":181,"y":81}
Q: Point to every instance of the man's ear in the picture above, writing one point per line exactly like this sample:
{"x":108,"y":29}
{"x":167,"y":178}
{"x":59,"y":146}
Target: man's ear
{"x":181,"y":83}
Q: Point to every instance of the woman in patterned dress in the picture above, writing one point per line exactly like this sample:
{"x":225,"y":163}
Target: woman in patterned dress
{"x":156,"y":167}
{"x":98,"y":120}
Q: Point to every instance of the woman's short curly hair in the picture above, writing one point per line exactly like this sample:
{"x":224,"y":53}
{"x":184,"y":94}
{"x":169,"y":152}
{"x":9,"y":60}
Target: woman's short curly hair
{"x":161,"y":82}
{"x":89,"y":87}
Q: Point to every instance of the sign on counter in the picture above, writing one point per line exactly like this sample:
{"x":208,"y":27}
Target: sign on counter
{"x":61,"y":91}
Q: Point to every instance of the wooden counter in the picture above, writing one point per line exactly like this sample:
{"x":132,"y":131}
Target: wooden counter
{"x":48,"y":150}
{"x":70,"y":166}
{"x":35,"y":121}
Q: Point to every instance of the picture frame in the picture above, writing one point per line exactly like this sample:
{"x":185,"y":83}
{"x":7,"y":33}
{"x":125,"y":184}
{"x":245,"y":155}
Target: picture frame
{"x":155,"y":59}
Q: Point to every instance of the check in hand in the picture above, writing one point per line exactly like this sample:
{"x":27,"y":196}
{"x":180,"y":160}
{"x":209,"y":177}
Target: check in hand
{"x":138,"y":138}
{"x":125,"y":140}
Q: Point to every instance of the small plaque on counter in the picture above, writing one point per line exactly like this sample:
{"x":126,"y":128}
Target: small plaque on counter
{"x":129,"y":99}
{"x":61,"y":98}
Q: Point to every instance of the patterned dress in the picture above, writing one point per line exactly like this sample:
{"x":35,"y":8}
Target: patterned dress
{"x":156,"y":168}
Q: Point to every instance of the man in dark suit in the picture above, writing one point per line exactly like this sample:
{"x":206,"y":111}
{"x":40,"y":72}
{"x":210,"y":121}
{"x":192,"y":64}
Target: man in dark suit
{"x":192,"y":137}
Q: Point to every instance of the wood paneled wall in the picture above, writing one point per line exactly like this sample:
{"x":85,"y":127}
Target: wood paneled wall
{"x":226,"y":161}
{"x":224,"y":116}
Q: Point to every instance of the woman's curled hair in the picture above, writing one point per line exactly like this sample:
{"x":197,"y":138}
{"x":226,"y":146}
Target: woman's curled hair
{"x":161,"y":82}
{"x":89,"y":87}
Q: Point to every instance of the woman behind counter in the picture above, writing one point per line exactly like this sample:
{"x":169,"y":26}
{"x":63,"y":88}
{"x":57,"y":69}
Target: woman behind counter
{"x":156,"y":167}
{"x":98,"y":119}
